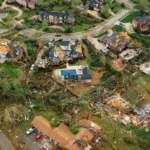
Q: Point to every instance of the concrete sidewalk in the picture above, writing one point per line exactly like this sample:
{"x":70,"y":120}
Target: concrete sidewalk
{"x":5,"y":144}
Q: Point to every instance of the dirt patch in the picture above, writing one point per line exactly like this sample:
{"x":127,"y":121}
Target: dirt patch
{"x":96,"y":76}
{"x":118,"y":64}
{"x":80,"y":88}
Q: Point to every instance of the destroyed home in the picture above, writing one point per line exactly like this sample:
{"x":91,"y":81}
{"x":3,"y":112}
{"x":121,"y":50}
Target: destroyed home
{"x":128,"y":54}
{"x":66,"y":51}
{"x":62,"y":136}
{"x":145,"y":68}
{"x":142,"y":23}
{"x":74,"y":73}
{"x":54,"y":17}
{"x":117,"y":41}
{"x":95,"y":4}
{"x":26,"y":3}
{"x":118,"y":102}
{"x":9,"y":51}
{"x":125,"y":119}
{"x":88,"y":124}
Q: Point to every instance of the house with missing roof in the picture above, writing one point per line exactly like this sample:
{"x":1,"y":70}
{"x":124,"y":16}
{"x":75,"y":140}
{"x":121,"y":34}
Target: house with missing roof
{"x":62,"y":136}
{"x":142,"y":23}
{"x":66,"y":51}
{"x":9,"y":51}
{"x":26,"y":3}
{"x":129,"y":54}
{"x":117,"y":41}
{"x":79,"y":73}
{"x":55,"y":17}
{"x":94,"y":4}
{"x":145,"y":68}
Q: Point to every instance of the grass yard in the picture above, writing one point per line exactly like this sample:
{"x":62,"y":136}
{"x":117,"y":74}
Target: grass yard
{"x":3,"y":26}
{"x":130,"y":16}
{"x":108,"y":129}
{"x":143,"y":37}
{"x":118,"y":28}
{"x":37,"y":25}
{"x":100,"y":35}
{"x":140,"y":86}
{"x":28,"y":14}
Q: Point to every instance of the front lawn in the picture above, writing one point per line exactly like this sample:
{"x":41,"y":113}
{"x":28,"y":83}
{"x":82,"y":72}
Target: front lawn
{"x":83,"y":22}
{"x":118,"y":28}
{"x":130,"y":16}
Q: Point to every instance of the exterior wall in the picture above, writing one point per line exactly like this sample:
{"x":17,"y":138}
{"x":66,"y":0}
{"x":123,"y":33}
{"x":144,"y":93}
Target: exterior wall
{"x":135,"y":24}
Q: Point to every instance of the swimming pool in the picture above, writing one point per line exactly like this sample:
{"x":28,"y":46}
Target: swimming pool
{"x":67,"y":72}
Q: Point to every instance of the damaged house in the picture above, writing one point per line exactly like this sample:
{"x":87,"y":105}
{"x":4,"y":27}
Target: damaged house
{"x":118,"y":102}
{"x":66,"y":51}
{"x":145,"y":68}
{"x":62,"y":136}
{"x":129,"y":54}
{"x":117,"y":41}
{"x":9,"y":51}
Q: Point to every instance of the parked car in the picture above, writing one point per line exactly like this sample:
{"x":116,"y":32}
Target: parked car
{"x":148,"y":110}
{"x":35,"y":132}
{"x":39,"y":136}
{"x":58,"y":35}
{"x":30,"y":130}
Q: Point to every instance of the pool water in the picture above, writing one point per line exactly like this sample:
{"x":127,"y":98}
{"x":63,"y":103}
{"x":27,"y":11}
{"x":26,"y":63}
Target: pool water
{"x":67,"y":72}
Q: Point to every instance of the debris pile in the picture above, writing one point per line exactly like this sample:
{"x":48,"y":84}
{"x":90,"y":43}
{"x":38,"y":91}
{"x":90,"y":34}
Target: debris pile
{"x":118,"y":102}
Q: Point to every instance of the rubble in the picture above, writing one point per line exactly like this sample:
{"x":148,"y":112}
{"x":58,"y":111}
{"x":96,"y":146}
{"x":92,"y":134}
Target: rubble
{"x":118,"y":102}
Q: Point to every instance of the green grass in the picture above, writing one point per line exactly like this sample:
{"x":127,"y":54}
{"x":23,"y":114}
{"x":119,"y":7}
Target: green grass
{"x":108,"y":128}
{"x":118,"y":28}
{"x":3,"y":26}
{"x":116,"y":7}
{"x":28,"y":14}
{"x":134,"y":90}
{"x":11,"y":71}
{"x":130,"y":16}
{"x":37,"y":25}
{"x":140,"y":36}
{"x":100,"y":35}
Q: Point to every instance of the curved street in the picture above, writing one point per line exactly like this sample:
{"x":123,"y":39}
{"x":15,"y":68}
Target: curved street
{"x":79,"y":35}
{"x":5,"y":5}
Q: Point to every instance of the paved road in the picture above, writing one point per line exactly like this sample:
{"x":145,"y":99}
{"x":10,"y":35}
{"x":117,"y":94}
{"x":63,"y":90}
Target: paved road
{"x":128,"y":3}
{"x":20,"y":12}
{"x":80,"y":35}
{"x":5,"y":143}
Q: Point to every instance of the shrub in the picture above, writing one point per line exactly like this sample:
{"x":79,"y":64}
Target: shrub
{"x":55,"y":123}
{"x":74,"y":129}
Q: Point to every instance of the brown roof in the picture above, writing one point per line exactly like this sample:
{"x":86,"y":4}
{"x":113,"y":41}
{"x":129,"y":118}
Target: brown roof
{"x":61,"y":134}
{"x":4,"y":49}
{"x":41,"y":124}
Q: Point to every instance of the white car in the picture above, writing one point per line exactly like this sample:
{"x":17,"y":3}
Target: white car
{"x":148,"y":110}
{"x":30,"y":130}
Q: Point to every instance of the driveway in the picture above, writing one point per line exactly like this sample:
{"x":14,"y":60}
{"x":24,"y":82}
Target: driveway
{"x":31,"y":142}
{"x":5,"y":143}
{"x":99,"y":46}
{"x":128,"y":3}
{"x":5,"y":5}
